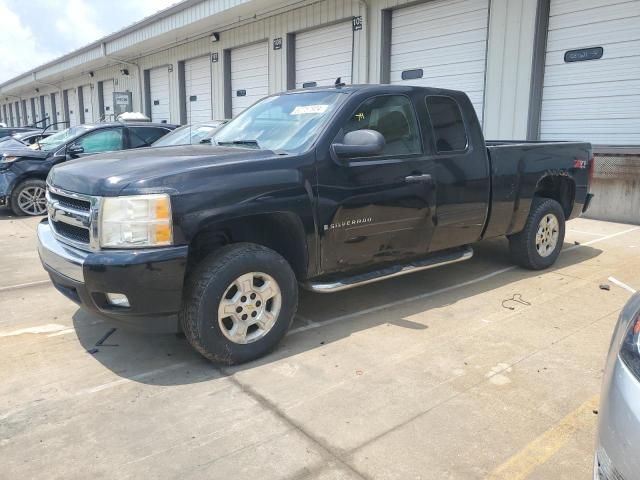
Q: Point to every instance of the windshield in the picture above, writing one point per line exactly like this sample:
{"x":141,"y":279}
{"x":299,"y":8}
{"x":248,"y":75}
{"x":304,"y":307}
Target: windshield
{"x":286,"y":122}
{"x":54,"y":141}
{"x":189,"y":134}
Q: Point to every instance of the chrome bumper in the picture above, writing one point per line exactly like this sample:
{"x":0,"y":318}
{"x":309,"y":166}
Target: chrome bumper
{"x":59,"y":257}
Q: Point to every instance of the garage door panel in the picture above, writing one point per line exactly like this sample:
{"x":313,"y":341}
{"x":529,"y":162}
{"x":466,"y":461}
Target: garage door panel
{"x":324,"y":54}
{"x":458,"y":30}
{"x":87,"y":104}
{"x":442,"y":56}
{"x":583,"y":16}
{"x":603,"y":32}
{"x":437,"y":11}
{"x":594,"y":138}
{"x":594,"y":71}
{"x":616,"y":50}
{"x":617,"y":126}
{"x":597,"y":108}
{"x":602,"y":89}
{"x":565,"y":6}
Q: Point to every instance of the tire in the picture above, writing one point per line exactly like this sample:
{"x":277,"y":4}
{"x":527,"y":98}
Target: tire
{"x":532,"y":252}
{"x":29,"y":189}
{"x":218,"y":279}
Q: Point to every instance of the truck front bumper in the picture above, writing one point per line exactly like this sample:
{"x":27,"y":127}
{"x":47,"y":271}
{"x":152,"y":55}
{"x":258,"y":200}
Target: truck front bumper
{"x":151,"y":280}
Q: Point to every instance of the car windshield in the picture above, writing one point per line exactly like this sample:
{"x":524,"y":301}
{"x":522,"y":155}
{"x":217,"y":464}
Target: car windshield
{"x":286,"y":122}
{"x":57,"y":139}
{"x":189,"y":134}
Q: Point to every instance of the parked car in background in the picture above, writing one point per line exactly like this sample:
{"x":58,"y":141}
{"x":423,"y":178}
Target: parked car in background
{"x":619,"y":414}
{"x":23,"y":171}
{"x":330,"y":188}
{"x":20,"y":139}
{"x":191,"y":134}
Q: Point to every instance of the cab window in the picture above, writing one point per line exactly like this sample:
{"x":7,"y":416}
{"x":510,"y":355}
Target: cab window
{"x":145,"y":136}
{"x":104,"y":140}
{"x":393,"y":116}
{"x":449,"y":133}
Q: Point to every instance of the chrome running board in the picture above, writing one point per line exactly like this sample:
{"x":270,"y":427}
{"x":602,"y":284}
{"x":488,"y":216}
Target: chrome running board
{"x":436,"y":260}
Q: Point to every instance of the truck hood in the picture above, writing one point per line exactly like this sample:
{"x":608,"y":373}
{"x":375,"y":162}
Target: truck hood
{"x":147,"y":169}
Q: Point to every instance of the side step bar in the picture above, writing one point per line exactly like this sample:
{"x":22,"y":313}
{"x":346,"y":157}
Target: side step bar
{"x":436,"y":260}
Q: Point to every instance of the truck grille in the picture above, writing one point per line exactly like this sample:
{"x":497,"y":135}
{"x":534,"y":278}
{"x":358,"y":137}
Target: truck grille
{"x":71,"y":216}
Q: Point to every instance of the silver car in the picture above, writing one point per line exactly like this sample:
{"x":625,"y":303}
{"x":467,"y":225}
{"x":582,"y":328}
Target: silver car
{"x":618,"y":442}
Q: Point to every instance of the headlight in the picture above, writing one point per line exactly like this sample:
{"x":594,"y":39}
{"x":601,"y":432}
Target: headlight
{"x":136,"y":221}
{"x":630,"y":347}
{"x":9,"y":159}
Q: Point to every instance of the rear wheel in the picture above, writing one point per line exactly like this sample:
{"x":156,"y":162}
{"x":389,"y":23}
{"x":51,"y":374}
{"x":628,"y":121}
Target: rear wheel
{"x":538,"y":245}
{"x":239,"y":303}
{"x":28,"y":198}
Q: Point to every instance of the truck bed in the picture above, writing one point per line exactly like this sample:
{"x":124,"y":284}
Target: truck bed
{"x":517,"y":167}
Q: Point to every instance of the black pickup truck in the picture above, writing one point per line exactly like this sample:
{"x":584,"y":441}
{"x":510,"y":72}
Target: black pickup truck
{"x":327,"y":188}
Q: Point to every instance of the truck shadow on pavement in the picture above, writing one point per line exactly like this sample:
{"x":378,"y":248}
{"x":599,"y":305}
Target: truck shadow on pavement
{"x":327,"y":318}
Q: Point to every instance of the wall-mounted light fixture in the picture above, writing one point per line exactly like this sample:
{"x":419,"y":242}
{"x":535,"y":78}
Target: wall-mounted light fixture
{"x":215,"y":37}
{"x":91,"y":74}
{"x":124,"y":71}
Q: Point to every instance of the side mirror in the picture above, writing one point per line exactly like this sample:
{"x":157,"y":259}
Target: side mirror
{"x":75,"y":150}
{"x":359,"y":143}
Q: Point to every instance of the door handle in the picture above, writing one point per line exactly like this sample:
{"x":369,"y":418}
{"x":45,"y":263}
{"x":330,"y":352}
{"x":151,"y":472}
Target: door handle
{"x":425,"y":178}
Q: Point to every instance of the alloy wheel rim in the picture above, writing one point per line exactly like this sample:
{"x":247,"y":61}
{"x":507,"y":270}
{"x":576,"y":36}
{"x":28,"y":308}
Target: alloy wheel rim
{"x":32,"y":200}
{"x":548,"y":235}
{"x":249,"y":307}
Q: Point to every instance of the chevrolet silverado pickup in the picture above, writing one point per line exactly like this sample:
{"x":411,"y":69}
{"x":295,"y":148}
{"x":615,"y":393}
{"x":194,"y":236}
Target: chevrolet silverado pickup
{"x":324,"y":188}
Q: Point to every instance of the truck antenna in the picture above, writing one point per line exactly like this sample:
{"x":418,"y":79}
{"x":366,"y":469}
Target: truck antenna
{"x":339,"y":83}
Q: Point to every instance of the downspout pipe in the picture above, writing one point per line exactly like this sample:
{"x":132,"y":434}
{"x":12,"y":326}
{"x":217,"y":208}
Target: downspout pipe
{"x":367,"y":18}
{"x":139,"y":73}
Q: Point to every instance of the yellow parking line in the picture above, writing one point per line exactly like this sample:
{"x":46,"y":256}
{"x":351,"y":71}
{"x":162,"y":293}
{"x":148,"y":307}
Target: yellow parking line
{"x":523,"y":463}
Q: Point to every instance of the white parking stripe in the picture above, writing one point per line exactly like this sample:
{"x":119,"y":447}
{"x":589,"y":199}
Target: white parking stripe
{"x":23,"y":285}
{"x":622,"y":285}
{"x":442,"y":290}
{"x":586,"y":233}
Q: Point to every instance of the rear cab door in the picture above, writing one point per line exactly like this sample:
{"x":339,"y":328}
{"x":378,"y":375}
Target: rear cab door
{"x":376,"y":209}
{"x":461,"y":173}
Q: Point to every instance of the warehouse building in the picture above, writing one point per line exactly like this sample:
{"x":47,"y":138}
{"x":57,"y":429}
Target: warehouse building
{"x":534,"y":69}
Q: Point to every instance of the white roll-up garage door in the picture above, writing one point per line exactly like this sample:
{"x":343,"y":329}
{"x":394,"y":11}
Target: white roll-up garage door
{"x":596,"y":100}
{"x":160,"y":94}
{"x":324,"y":54}
{"x":87,"y":103}
{"x":48,"y":111}
{"x":197,"y":80}
{"x":107,"y":100}
{"x":442,"y":44}
{"x":57,"y":114}
{"x":249,"y":75}
{"x":74,"y":114}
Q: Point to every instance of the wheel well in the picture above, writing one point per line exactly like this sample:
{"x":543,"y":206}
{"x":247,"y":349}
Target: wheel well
{"x":281,"y":232}
{"x":560,"y":189}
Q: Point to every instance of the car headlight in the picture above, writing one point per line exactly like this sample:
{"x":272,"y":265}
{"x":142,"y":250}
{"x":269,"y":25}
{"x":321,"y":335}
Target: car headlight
{"x":136,"y":221}
{"x":9,"y":159}
{"x":630,"y":346}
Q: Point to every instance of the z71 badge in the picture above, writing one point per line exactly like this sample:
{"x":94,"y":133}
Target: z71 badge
{"x":348,"y":223}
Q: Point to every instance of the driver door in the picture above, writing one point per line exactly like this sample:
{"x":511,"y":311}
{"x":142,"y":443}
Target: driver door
{"x":377,"y":209}
{"x":98,"y":141}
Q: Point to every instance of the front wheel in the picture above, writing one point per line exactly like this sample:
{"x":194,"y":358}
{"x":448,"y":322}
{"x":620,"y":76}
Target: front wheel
{"x":538,"y":245}
{"x":29,"y":198}
{"x":239,"y":302}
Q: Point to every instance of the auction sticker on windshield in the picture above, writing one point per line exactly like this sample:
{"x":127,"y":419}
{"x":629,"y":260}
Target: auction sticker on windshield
{"x":309,"y":109}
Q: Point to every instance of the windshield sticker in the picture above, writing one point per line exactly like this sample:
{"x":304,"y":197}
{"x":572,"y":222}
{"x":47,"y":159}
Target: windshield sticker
{"x":309,"y":109}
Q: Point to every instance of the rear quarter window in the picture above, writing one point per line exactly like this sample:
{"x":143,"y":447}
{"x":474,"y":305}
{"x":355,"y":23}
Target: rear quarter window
{"x":145,"y":136}
{"x":449,"y":133}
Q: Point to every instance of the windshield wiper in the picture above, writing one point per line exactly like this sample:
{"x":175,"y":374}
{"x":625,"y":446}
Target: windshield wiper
{"x":253,"y":143}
